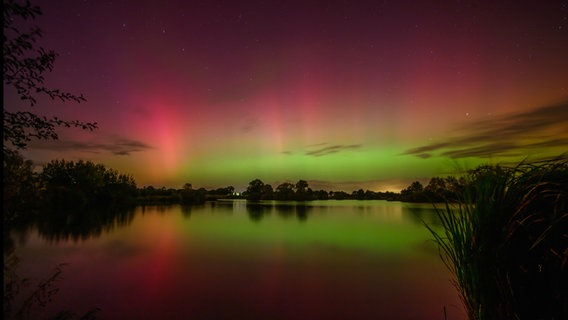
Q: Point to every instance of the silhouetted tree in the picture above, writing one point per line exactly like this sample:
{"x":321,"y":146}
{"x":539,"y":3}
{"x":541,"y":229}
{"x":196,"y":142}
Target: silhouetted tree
{"x":20,"y":190}
{"x":229,"y":190}
{"x":267,"y":192}
{"x":413,"y":193}
{"x":359,"y":194}
{"x":339,"y":195}
{"x":187,"y":195}
{"x":436,"y":189}
{"x":221,"y":192}
{"x":285,"y":191}
{"x":301,"y":186}
{"x":255,"y":190}
{"x":302,"y":192}
{"x":72,"y":185}
{"x":24,"y":67}
{"x":436,"y":185}
{"x":321,"y":195}
{"x":416,"y":187}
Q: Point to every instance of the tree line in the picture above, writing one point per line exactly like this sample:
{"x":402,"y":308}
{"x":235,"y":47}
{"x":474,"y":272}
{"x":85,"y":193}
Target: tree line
{"x":66,"y":185}
{"x":62,"y":186}
{"x":300,"y":191}
{"x":438,"y":190}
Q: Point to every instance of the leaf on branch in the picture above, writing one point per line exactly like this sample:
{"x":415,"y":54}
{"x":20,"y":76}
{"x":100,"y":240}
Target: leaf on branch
{"x":24,"y":69}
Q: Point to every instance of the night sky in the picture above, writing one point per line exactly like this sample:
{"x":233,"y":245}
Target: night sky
{"x":344,"y":94}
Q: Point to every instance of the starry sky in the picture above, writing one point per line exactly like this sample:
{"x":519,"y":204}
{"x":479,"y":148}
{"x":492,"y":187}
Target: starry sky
{"x":343,"y":94}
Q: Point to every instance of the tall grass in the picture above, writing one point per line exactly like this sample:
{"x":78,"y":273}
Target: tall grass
{"x":26,"y":300}
{"x":506,"y":243}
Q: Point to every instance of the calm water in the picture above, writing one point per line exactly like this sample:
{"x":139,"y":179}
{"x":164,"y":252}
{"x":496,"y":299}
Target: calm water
{"x":230,"y":260}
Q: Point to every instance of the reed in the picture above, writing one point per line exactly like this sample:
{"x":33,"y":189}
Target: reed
{"x":506,"y":243}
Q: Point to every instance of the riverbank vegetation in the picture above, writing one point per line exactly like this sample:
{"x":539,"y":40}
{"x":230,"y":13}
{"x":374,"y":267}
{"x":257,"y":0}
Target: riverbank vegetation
{"x":506,"y":243}
{"x":62,"y":185}
{"x":437,"y":190}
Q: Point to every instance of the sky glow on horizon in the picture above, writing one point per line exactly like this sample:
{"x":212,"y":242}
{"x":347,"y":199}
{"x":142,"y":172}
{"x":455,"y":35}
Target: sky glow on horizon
{"x":343,"y":95}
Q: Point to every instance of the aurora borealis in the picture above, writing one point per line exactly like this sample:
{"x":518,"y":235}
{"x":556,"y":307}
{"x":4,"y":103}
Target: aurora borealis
{"x":344,"y":94}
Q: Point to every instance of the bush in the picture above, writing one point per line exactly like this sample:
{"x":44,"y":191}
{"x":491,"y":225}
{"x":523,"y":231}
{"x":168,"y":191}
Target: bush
{"x":505,"y":242}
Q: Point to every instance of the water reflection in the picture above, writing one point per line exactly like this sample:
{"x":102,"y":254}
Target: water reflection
{"x":186,"y":210}
{"x":302,"y":212}
{"x":424,"y":213}
{"x":301,"y":260}
{"x":256,"y":211}
{"x":285,"y":209}
{"x":71,"y":225}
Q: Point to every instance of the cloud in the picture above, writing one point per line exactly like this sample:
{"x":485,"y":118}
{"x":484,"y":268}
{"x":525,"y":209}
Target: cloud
{"x":117,"y":146}
{"x":126,"y":146}
{"x":424,"y":155}
{"x":506,"y":135}
{"x":428,"y":148}
{"x":322,"y":151}
{"x":479,"y":151}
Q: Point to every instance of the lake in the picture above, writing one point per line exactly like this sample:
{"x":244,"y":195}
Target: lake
{"x":329,"y":259}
